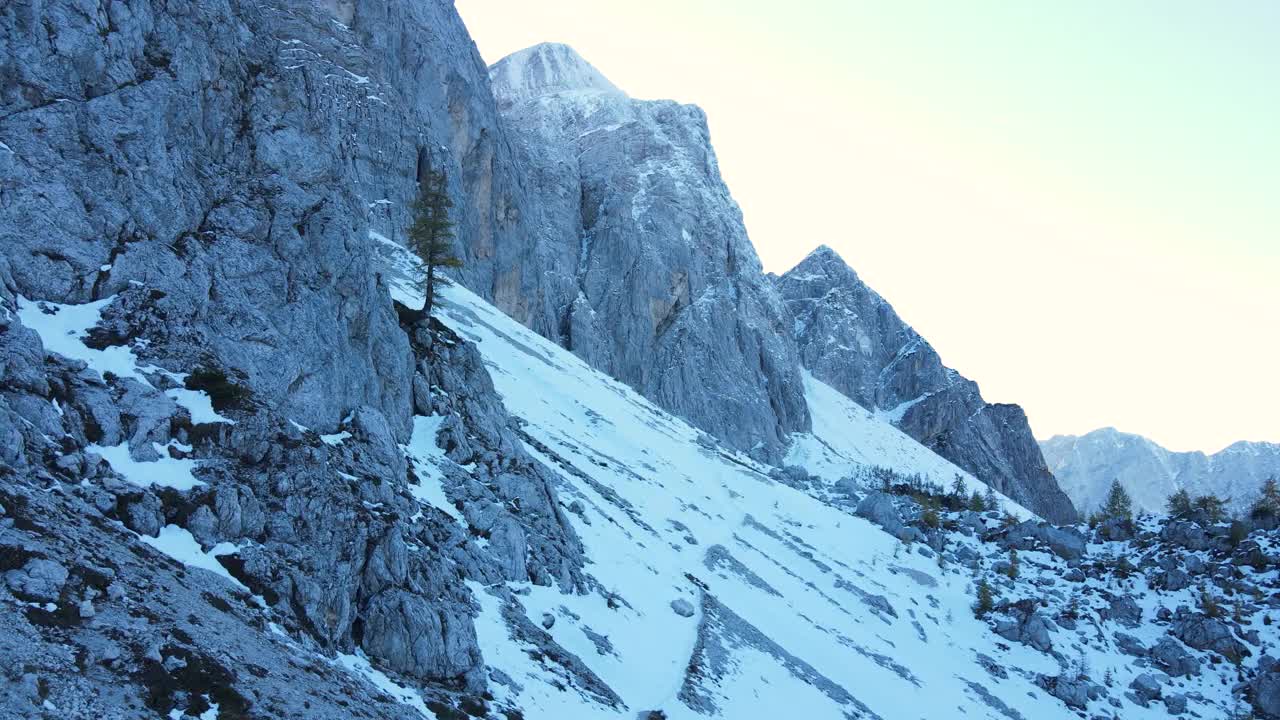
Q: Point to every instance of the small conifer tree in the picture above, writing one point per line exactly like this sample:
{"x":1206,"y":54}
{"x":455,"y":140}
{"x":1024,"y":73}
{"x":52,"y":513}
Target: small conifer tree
{"x":976,"y":503}
{"x":1214,"y":507}
{"x":1267,"y":505}
{"x":431,"y":234}
{"x":1119,"y":506}
{"x":1012,"y":572}
{"x":1179,"y":504}
{"x":986,"y":600}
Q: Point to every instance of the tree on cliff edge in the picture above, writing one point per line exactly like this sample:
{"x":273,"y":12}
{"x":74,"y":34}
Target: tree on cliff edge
{"x":431,"y":234}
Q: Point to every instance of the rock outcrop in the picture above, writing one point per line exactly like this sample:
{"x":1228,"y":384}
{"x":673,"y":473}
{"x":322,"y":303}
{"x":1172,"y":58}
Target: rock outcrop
{"x":641,"y":263}
{"x":850,"y":338}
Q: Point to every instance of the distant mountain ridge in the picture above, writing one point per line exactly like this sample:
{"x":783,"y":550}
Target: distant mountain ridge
{"x":850,"y":338}
{"x":1086,"y":465}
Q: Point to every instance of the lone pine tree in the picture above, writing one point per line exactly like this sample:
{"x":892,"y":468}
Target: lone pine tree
{"x":431,"y":233}
{"x":1119,"y":506}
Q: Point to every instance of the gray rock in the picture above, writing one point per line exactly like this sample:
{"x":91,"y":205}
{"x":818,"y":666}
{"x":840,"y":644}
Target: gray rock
{"x":1175,"y":703}
{"x":851,"y":339}
{"x":682,"y":607}
{"x":1130,"y":645}
{"x":1074,"y":691}
{"x":879,"y":508}
{"x":1174,"y":659}
{"x":1065,"y":542}
{"x":1146,"y":688}
{"x":1026,"y":625}
{"x":1173,"y":579}
{"x":410,"y":636}
{"x":1205,"y":633}
{"x":1123,"y":610}
{"x":1184,"y":534}
{"x":1266,"y":691}
{"x":635,"y":256}
{"x":39,"y":580}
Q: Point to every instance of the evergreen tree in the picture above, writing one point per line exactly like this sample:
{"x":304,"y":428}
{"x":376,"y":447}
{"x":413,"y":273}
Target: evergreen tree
{"x":1119,"y":506}
{"x":991,"y":500}
{"x":431,"y":234}
{"x":1214,"y":507}
{"x":975,"y":502}
{"x":957,"y":488}
{"x":1012,"y":572}
{"x":1268,"y":503}
{"x":986,"y":600}
{"x":1179,"y":504}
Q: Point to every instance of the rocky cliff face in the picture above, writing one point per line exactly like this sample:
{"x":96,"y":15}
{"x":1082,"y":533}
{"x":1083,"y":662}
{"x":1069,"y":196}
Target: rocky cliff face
{"x":1086,"y":465}
{"x":198,"y":353}
{"x":642,"y":254}
{"x":851,"y":339}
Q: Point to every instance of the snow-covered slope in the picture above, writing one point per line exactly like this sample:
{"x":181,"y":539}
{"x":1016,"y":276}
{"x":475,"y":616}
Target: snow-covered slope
{"x":1086,"y":466}
{"x":798,"y":609}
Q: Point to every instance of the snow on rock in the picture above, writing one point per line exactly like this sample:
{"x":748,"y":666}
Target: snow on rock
{"x":427,"y":457}
{"x":63,"y":329}
{"x":360,"y":665}
{"x":179,"y":544}
{"x":167,"y":471}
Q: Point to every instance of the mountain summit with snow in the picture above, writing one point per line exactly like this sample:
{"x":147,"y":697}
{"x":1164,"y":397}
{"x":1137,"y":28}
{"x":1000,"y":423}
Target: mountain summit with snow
{"x":1086,"y":465}
{"x":546,"y":69}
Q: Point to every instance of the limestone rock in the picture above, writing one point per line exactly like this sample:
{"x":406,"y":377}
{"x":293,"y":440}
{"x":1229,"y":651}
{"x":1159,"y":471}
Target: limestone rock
{"x":850,"y":338}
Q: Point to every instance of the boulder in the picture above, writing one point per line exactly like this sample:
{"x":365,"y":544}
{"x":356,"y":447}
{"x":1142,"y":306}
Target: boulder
{"x":879,"y":508}
{"x":1065,"y":542}
{"x":1184,"y":534}
{"x":1266,"y":691}
{"x":1174,"y":659}
{"x":1205,"y":633}
{"x":1146,"y":688}
{"x":1026,"y":625}
{"x":39,"y":580}
{"x":682,"y":607}
{"x":1130,"y":645}
{"x":1124,"y":611}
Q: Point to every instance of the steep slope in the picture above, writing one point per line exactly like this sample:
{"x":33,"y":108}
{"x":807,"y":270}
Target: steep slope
{"x":586,"y":556}
{"x":1086,"y":465}
{"x":851,"y":339}
{"x":755,"y":583}
{"x":667,"y":293}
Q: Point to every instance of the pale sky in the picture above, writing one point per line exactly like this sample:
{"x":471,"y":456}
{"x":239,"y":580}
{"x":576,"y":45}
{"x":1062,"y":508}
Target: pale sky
{"x":1078,"y":204}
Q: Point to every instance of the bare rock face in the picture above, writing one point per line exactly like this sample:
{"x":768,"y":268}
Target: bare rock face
{"x":850,"y":338}
{"x":641,"y":257}
{"x":213,"y":178}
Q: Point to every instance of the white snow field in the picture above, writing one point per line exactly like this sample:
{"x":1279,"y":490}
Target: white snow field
{"x":800,"y":610}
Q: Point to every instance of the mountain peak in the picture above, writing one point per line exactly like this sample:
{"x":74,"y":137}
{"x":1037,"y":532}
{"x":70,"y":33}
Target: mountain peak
{"x":823,"y":264}
{"x":547,"y":69}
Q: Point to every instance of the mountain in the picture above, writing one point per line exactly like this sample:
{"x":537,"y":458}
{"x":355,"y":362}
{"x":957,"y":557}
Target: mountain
{"x":644,"y":263}
{"x":850,"y":338}
{"x":240,"y":480}
{"x":1086,"y":465}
